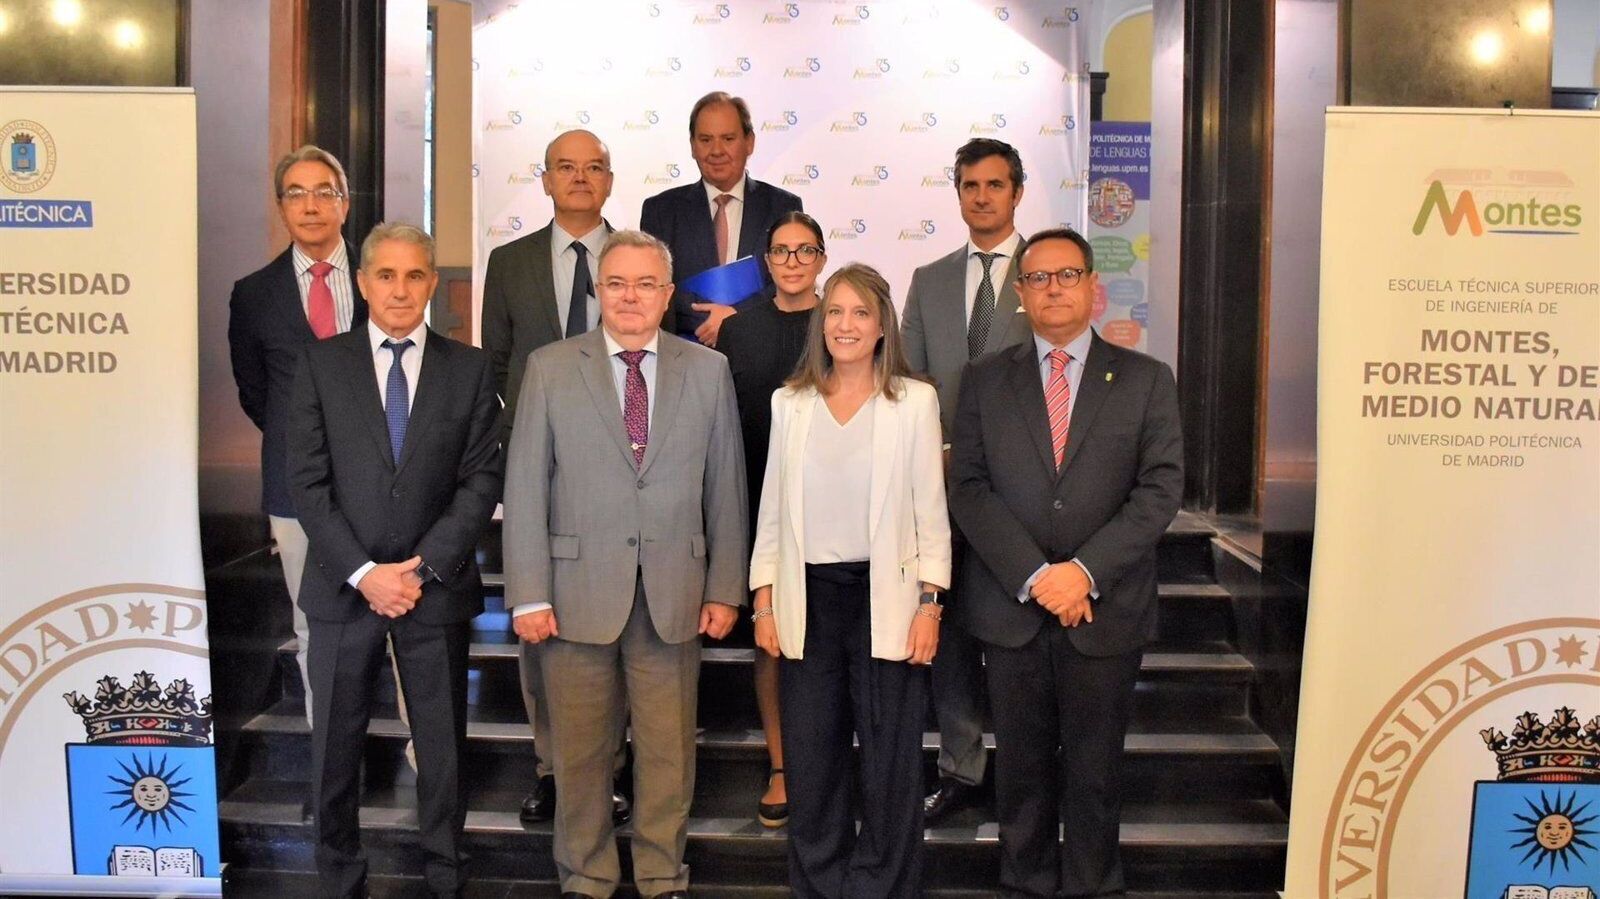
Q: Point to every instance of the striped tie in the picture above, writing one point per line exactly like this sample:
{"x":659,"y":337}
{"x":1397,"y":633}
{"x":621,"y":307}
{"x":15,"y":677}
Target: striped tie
{"x":1057,"y":397}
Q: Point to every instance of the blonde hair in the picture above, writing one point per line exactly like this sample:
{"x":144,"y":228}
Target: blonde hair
{"x":888,"y":360}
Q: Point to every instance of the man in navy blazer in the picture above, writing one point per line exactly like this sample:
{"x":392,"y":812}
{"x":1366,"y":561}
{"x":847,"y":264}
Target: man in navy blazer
{"x":308,"y":293}
{"x":725,"y":208}
{"x":1067,"y":469}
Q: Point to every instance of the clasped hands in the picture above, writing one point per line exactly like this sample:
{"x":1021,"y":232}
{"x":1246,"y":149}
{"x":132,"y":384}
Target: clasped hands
{"x":1063,"y":591}
{"x":392,"y":589}
{"x":716,"y":620}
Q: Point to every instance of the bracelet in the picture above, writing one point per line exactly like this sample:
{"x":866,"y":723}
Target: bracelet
{"x":922,"y":609}
{"x":759,"y":614}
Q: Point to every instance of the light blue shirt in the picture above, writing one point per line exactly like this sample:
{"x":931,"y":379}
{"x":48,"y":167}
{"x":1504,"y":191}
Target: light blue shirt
{"x":647,"y":367}
{"x":1077,"y":350}
{"x":564,"y":266}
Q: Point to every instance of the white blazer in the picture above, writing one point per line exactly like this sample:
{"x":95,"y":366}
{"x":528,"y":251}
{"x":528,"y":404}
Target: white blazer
{"x":908,"y":524}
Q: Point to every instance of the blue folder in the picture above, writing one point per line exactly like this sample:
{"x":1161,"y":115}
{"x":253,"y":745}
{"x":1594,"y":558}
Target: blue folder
{"x":727,"y":284}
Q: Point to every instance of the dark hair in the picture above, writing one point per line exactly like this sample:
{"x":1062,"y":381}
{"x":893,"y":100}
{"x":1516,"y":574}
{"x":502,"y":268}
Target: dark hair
{"x":1058,"y":234}
{"x":980,"y":148}
{"x":715,"y":97}
{"x":889,"y":364}
{"x":796,"y":217}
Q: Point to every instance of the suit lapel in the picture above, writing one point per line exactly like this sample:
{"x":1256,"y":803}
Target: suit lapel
{"x":794,"y":451}
{"x":286,"y":295}
{"x":369,"y":405}
{"x":358,"y":304}
{"x":429,"y":401}
{"x":885,"y":437}
{"x":947,"y":318}
{"x":701,"y":229}
{"x":596,"y":372}
{"x":668,"y":396}
{"x":543,"y":273}
{"x":1099,"y":373}
{"x":753,"y":225}
{"x":1005,"y":311}
{"x":1029,"y":405}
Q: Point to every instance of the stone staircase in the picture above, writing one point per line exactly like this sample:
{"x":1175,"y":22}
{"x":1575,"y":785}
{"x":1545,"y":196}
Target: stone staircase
{"x":1205,"y":793}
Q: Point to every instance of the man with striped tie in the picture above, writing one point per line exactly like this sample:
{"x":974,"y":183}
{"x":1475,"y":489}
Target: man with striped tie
{"x":1067,"y":468}
{"x":305,"y":295}
{"x":394,"y":468}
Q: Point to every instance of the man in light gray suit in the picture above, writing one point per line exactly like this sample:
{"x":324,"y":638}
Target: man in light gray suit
{"x":959,"y":307}
{"x":625,"y":541}
{"x":537,"y":290}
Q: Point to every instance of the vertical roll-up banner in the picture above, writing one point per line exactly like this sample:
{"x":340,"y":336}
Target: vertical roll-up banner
{"x":107,"y":777}
{"x":1449,"y":739}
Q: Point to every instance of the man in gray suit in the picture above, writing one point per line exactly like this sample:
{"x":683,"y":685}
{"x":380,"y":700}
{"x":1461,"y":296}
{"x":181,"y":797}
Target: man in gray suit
{"x":537,"y":290}
{"x":625,"y":541}
{"x":959,"y":307}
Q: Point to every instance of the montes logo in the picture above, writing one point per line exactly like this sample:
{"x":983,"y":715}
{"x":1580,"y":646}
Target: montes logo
{"x":1521,"y":217}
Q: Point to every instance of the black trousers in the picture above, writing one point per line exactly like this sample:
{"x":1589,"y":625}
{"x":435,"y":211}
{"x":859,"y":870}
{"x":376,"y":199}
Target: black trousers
{"x":1060,"y":718}
{"x":345,"y":661}
{"x":837,"y":690}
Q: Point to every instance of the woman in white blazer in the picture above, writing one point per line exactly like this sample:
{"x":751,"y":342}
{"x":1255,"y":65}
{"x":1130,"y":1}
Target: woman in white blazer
{"x":851,"y":552}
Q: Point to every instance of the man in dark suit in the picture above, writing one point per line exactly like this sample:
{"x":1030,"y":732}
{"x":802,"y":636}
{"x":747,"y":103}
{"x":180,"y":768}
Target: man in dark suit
{"x":1067,"y":469}
{"x":959,"y":307}
{"x":395,"y":470}
{"x":539,"y":289}
{"x":306,"y":294}
{"x":720,"y":218}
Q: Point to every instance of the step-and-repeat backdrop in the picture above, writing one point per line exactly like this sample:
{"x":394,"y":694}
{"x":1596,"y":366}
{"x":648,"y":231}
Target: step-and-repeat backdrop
{"x":1449,"y":740}
{"x":858,"y":108}
{"x":107,"y":778}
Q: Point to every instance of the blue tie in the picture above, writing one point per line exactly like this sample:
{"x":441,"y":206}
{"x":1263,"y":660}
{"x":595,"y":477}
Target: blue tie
{"x":397,"y":406}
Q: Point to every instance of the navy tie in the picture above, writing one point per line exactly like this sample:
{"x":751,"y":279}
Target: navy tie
{"x":396,"y":404}
{"x":582,"y":287}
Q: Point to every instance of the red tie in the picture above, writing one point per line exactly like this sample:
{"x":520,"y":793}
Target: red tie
{"x":721,"y":223}
{"x":1057,"y":396}
{"x":320,"y":302}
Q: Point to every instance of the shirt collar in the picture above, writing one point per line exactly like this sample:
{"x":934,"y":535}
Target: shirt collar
{"x":1006,"y":248}
{"x":1077,"y":347}
{"x":613,"y":348}
{"x":593,"y":241}
{"x":737,"y":190}
{"x":376,"y":337}
{"x":339,"y":259}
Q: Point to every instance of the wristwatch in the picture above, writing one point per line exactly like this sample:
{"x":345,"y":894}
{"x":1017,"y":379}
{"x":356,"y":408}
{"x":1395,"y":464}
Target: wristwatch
{"x":426,"y":573}
{"x":930,"y":596}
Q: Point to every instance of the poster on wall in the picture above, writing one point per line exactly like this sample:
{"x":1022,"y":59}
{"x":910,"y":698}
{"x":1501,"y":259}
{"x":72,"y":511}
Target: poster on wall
{"x":107,"y":774}
{"x":1119,"y":230}
{"x":858,"y":108}
{"x":1449,"y":739}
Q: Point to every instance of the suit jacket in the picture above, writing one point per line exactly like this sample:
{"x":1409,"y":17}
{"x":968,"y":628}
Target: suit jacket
{"x":907,"y":521}
{"x":681,"y":218}
{"x":1108,"y":506}
{"x":935,"y":325}
{"x":521,"y":311}
{"x":581,"y":520}
{"x":357,"y":505}
{"x":267,"y":329}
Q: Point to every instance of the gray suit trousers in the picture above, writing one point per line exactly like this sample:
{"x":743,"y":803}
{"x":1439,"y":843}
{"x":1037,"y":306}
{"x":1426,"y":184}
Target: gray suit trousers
{"x":589,"y":686}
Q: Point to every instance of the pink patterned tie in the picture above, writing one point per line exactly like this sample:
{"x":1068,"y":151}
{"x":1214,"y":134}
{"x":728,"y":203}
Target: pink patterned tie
{"x":319,"y":302}
{"x":635,"y":404}
{"x":720,"y":221}
{"x":1057,"y":394}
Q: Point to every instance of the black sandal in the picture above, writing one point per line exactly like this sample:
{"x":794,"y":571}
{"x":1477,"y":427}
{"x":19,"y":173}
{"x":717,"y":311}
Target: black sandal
{"x":772,"y":814}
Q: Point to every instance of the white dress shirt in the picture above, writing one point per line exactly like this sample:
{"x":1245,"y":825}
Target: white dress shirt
{"x":344,"y":303}
{"x":836,"y":486}
{"x":1077,"y":349}
{"x":998,"y":267}
{"x":735,"y":214}
{"x":382,"y":361}
{"x":564,"y":266}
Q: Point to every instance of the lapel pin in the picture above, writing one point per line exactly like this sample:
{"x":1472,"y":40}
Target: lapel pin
{"x":1109,"y":376}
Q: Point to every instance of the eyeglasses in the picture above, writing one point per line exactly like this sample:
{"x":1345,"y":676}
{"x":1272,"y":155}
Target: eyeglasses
{"x":779,"y":255}
{"x":320,"y":195}
{"x":645,"y":289}
{"x":1069,"y":277}
{"x":571,"y":169}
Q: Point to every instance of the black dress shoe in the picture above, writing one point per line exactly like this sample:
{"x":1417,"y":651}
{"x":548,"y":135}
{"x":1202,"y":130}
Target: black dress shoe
{"x":947,"y":797}
{"x":541,"y":803}
{"x":772,"y":814}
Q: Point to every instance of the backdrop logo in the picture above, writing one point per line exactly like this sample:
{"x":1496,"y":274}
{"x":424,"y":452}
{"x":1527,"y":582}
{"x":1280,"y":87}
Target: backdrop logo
{"x":789,"y":120}
{"x":1002,"y":13}
{"x":926,"y":123}
{"x":1066,"y":123}
{"x":580,"y":118}
{"x":668,"y":174}
{"x":857,"y":228}
{"x":991,"y":126}
{"x":791,"y":11}
{"x":880,"y":174}
{"x":512,"y":119}
{"x":863,"y":12}
{"x":803,"y":177}
{"x":856,"y":122}
{"x":740,"y":66}
{"x":533,"y":68}
{"x":27,"y":163}
{"x":666,"y":68}
{"x":530,"y":175}
{"x":649,"y":119}
{"x":1016,"y":72}
{"x":922,"y":231}
{"x":878,"y":69}
{"x":715,"y":16}
{"x":945,"y":179}
{"x":1522,"y":217}
{"x":950,"y":69}
{"x":812,"y":66}
{"x":1065,"y":19}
